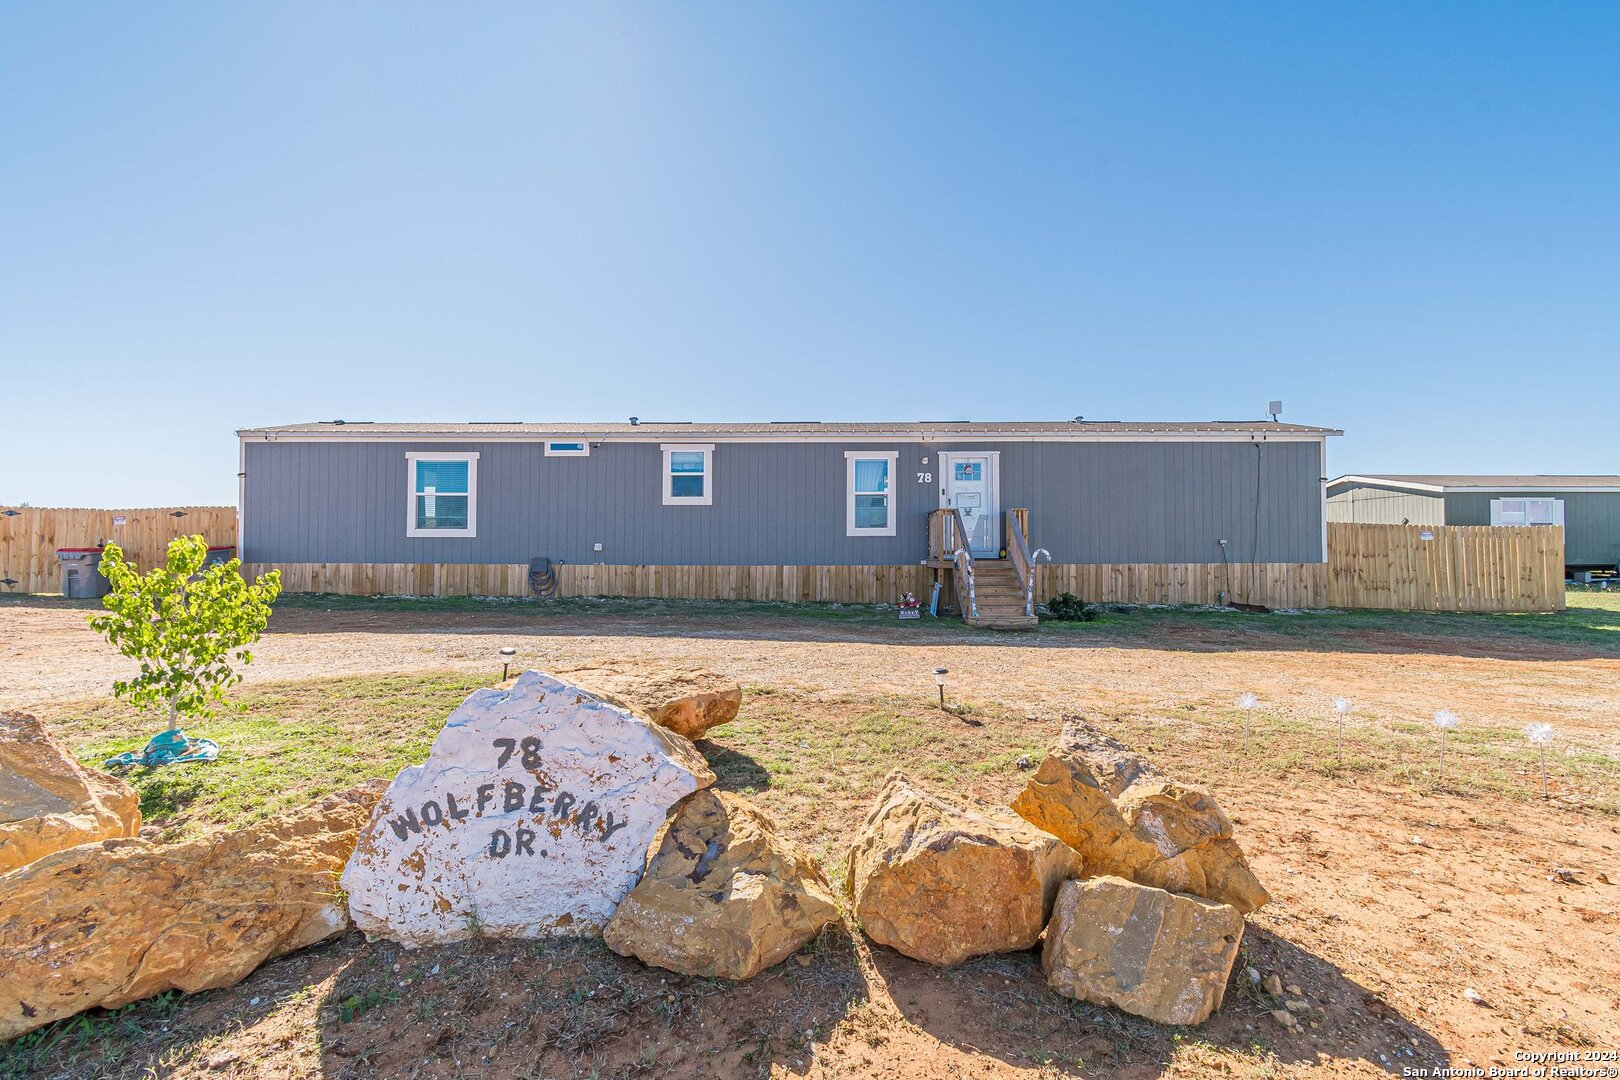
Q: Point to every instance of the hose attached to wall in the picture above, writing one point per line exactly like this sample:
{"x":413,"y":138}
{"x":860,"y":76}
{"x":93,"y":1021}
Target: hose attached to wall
{"x":543,"y":578}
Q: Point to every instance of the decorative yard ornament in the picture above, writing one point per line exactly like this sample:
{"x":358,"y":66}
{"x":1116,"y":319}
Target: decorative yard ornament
{"x":1248,"y":702}
{"x":1341,"y":709}
{"x":1445,"y":720}
{"x":186,"y":627}
{"x":1540,"y":735}
{"x":531,"y":816}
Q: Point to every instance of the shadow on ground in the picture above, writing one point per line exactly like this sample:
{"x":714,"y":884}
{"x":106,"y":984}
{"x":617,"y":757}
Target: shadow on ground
{"x":570,"y":1007}
{"x":1002,"y":1006}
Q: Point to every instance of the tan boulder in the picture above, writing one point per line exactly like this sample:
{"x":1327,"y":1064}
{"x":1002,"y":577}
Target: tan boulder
{"x":685,"y":698}
{"x":942,"y":880}
{"x":110,"y":923}
{"x":48,"y":801}
{"x":1127,"y":819}
{"x":682,"y":698}
{"x":724,"y":897}
{"x":1162,"y":955}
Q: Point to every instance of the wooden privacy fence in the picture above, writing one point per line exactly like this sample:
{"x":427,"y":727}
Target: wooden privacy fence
{"x":30,"y":535}
{"x":835,"y":584}
{"x":1273,"y":585}
{"x":1459,"y":568}
{"x":1446,"y":567}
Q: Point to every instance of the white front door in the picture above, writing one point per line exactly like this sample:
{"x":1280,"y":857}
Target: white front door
{"x":972,"y":485}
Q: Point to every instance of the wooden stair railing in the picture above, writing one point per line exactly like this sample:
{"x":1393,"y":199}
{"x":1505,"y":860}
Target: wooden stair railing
{"x":1023,"y":560}
{"x":967,"y":599}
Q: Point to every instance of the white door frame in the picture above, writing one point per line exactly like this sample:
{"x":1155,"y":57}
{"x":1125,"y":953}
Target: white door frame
{"x":992,"y":490}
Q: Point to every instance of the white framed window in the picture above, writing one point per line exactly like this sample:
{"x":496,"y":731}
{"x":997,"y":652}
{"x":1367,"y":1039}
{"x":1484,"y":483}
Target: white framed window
{"x":1527,"y":511}
{"x":568,"y":448}
{"x":688,"y":474}
{"x":869,"y":484}
{"x":441,"y":494}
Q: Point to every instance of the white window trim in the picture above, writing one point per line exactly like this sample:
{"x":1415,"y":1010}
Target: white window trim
{"x":707,"y":498}
{"x":471,"y":458}
{"x":850,"y":458}
{"x":584,"y":451}
{"x":1557,"y":510}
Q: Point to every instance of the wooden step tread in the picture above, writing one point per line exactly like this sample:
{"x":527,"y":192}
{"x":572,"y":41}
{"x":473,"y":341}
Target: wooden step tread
{"x":1003,"y":624}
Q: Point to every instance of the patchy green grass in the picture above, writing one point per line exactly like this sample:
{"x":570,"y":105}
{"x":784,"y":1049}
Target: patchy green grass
{"x":815,"y":760}
{"x":294,"y":742}
{"x":1590,"y":622}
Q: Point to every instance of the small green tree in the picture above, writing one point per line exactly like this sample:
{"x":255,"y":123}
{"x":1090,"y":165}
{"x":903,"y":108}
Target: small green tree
{"x":185,"y":626}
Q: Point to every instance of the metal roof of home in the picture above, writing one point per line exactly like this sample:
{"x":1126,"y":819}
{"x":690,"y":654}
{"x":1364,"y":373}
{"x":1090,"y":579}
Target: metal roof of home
{"x":1487,"y":481}
{"x":795,"y":428}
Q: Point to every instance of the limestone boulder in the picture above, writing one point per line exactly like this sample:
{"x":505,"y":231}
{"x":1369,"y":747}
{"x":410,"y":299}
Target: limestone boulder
{"x":685,"y":698}
{"x":531,"y":816}
{"x":1152,"y":953}
{"x":942,"y":880}
{"x":1127,"y":819}
{"x":725,"y":895}
{"x":48,"y":801}
{"x":117,"y":921}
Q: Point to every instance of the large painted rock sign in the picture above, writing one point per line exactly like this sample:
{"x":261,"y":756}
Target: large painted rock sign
{"x":531,"y":816}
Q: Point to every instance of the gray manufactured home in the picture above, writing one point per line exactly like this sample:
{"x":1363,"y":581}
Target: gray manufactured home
{"x":1588,"y":507}
{"x":783,"y":494}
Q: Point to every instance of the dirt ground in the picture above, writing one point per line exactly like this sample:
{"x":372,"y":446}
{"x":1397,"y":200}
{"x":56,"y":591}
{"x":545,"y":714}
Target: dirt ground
{"x":1389,"y":901}
{"x":48,"y":654}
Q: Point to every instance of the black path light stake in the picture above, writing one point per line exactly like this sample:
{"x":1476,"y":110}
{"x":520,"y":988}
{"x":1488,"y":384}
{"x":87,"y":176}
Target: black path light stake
{"x":1445,"y":720}
{"x":1540,"y":735}
{"x":507,"y":653}
{"x":939,"y":677}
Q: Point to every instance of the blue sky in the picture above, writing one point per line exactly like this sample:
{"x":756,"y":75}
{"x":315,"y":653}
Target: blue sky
{"x":1402,"y":219}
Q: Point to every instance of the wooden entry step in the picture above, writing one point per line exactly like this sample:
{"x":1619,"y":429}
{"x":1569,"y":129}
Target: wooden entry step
{"x":998,"y":597}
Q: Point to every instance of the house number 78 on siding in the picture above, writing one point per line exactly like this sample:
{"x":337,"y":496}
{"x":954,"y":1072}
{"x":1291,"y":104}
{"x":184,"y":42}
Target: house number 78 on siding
{"x":925,"y":478}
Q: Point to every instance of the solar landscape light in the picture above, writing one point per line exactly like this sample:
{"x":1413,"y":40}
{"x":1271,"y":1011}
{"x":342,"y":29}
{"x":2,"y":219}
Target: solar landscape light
{"x":1341,"y":709}
{"x":1540,"y":735}
{"x":939,"y":677}
{"x":1445,"y":720}
{"x":507,"y":653}
{"x":1248,"y":703}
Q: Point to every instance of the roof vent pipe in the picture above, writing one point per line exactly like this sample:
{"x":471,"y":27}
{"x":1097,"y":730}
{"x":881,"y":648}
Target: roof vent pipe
{"x":634,"y":420}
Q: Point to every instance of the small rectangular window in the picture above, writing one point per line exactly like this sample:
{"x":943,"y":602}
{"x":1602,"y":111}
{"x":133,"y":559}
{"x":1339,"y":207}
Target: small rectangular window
{"x":442,"y":495}
{"x":568,"y":449}
{"x":688,"y":479}
{"x":869,"y":510}
{"x":1527,"y":511}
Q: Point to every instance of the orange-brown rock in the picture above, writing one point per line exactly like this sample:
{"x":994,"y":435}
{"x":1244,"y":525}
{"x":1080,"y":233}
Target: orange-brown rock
{"x":684,"y":698}
{"x":1126,"y":819}
{"x":942,"y":880}
{"x":110,"y":923}
{"x":1153,"y":953}
{"x":725,"y":896}
{"x":48,"y":801}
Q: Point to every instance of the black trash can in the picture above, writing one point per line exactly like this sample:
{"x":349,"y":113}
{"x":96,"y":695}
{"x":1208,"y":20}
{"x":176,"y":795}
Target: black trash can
{"x":219,"y":556}
{"x":81,"y":573}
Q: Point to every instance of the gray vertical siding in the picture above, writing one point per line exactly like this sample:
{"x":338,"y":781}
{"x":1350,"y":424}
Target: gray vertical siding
{"x":1368,"y":505}
{"x":1591,"y":520}
{"x":784,"y":503}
